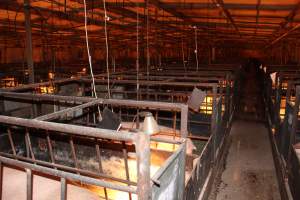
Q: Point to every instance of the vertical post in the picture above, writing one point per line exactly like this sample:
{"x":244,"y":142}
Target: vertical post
{"x":214,"y":108}
{"x":142,"y":145}
{"x":196,"y":48}
{"x":184,"y":121}
{"x":2,"y":107}
{"x":28,"y":40}
{"x":98,"y":154}
{"x":29,"y":184}
{"x":1,"y":179}
{"x":214,"y":120}
{"x":124,"y":149}
{"x":63,"y":189}
{"x":288,"y":92}
{"x":227,"y":98}
{"x":294,"y":125}
{"x":50,"y":150}
{"x":278,"y":98}
{"x":181,"y":172}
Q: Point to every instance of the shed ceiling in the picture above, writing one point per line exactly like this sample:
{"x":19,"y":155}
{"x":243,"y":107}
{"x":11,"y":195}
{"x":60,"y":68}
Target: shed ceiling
{"x":254,"y":21}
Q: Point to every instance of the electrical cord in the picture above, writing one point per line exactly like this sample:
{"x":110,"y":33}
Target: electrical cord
{"x":90,"y":58}
{"x":196,"y":45}
{"x":106,"y":44}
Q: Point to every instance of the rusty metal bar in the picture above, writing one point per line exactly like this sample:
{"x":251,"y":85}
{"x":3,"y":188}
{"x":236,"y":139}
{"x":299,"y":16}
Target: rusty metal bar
{"x":66,"y":175}
{"x":214,"y":107}
{"x":67,"y":168}
{"x":73,"y":151}
{"x":50,"y":147}
{"x":151,"y":83}
{"x":28,"y":44}
{"x":28,"y":145}
{"x":129,"y":103}
{"x":11,"y":141}
{"x":183,"y":121}
{"x":68,"y":110}
{"x":124,"y":149}
{"x":29,"y":185}
{"x":67,"y":128}
{"x":143,"y":166}
{"x":63,"y":189}
{"x":98,"y":154}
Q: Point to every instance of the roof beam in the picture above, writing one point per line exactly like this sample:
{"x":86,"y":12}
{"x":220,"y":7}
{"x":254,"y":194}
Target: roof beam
{"x":173,"y":12}
{"x":257,"y":14}
{"x":196,"y":5}
{"x":284,"y":25}
{"x":220,"y":3}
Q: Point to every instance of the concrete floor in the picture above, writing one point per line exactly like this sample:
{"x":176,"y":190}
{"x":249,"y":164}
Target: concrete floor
{"x":249,"y":170}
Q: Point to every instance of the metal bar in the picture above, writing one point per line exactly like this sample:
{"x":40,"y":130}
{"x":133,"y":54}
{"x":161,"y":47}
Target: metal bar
{"x":129,"y":103}
{"x":221,"y":4}
{"x":183,"y":121}
{"x":151,"y":83}
{"x":73,"y":153}
{"x":28,"y":40}
{"x":174,"y":126}
{"x":67,"y":128}
{"x":68,"y":110}
{"x":67,"y":168}
{"x":294,"y":126}
{"x":63,"y":189}
{"x":28,"y":143}
{"x":11,"y":141}
{"x":50,"y":147}
{"x":29,"y":186}
{"x":143,"y":166}
{"x":214,"y":111}
{"x":98,"y":154}
{"x":1,"y":179}
{"x":67,"y":175}
{"x":124,"y":149}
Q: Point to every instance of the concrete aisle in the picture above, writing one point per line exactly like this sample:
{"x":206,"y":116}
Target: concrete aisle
{"x":249,"y":169}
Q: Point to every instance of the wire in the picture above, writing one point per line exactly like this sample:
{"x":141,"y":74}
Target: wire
{"x":183,"y":56}
{"x":89,"y":57}
{"x":106,"y":44}
{"x":137,"y":56}
{"x":147,"y":33}
{"x":196,"y":50}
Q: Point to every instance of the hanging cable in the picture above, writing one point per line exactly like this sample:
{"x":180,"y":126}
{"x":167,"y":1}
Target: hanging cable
{"x":137,"y":56}
{"x":183,"y":57}
{"x":90,"y":58}
{"x":196,"y":47}
{"x":106,"y":45}
{"x":147,"y":33}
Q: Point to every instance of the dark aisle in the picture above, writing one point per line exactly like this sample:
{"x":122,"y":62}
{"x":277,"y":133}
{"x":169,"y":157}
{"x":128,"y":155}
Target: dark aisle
{"x":249,"y":171}
{"x":250,"y":94}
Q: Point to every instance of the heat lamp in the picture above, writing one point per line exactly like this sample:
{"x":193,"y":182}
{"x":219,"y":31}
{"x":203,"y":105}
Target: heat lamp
{"x":149,"y":125}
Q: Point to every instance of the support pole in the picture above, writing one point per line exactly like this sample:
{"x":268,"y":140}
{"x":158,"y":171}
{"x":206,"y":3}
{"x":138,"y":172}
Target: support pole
{"x":28,"y":41}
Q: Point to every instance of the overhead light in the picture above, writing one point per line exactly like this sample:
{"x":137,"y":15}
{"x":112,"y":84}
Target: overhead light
{"x":150,"y":125}
{"x":218,"y":5}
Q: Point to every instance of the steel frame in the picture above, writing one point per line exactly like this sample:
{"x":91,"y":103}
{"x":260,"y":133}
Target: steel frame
{"x":140,"y":140}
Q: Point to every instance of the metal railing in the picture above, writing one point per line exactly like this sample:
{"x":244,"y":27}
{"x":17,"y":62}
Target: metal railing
{"x":203,"y":172}
{"x":31,"y":163}
{"x":283,"y":137}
